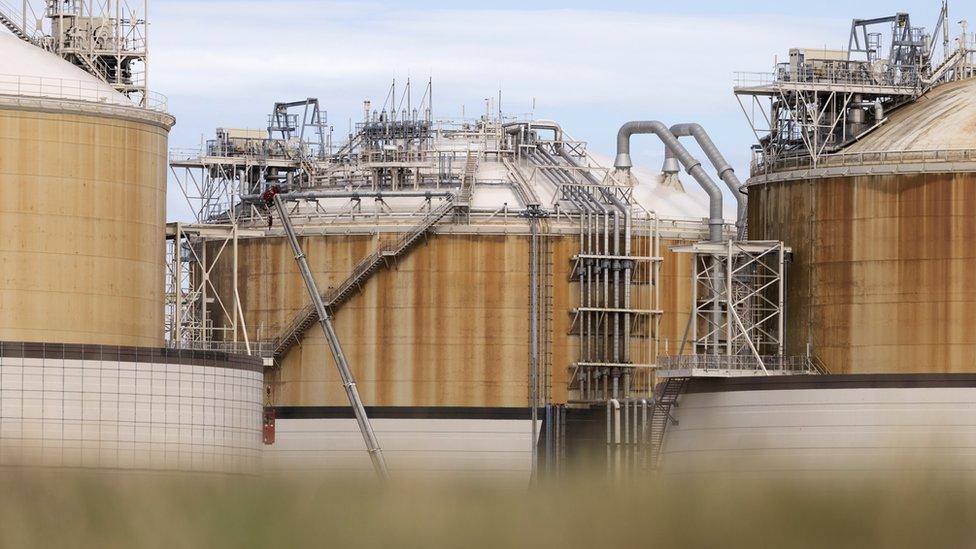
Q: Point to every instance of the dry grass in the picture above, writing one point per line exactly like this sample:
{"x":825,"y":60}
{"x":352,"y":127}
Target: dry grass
{"x":71,"y":509}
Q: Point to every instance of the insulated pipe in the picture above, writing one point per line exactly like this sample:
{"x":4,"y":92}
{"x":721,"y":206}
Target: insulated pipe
{"x":725,"y":171}
{"x":693,"y":166}
{"x":513,"y":128}
{"x":625,"y":210}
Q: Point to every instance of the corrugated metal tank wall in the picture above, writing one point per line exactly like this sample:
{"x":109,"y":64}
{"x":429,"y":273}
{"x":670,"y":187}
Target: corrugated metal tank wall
{"x":81,"y":225}
{"x":884,"y":273}
{"x":447,"y":327}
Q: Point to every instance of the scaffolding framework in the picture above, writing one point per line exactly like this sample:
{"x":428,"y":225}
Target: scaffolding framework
{"x":737,"y":320}
{"x":106,"y":38}
{"x":821,"y":101}
{"x":197,"y":315}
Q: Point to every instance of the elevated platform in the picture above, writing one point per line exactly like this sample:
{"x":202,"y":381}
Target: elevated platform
{"x":723,"y":366}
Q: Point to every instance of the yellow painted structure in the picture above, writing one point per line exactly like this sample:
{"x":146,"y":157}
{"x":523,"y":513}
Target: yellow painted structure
{"x":82,"y":220}
{"x":447,"y":326}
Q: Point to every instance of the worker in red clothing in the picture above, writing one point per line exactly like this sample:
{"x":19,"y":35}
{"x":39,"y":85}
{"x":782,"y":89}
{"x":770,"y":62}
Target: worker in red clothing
{"x":268,"y":197}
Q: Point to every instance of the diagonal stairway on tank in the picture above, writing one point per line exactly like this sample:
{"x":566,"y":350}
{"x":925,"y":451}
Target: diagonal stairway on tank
{"x":665,"y":399}
{"x":307,"y":316}
{"x":8,"y":20}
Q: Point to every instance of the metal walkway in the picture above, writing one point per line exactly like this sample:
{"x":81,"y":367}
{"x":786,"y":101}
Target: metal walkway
{"x":308,"y":316}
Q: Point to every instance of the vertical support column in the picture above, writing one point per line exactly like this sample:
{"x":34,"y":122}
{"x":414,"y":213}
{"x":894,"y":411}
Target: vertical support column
{"x":534,"y":337}
{"x":730,"y":302}
{"x":781,"y":259}
{"x":237,"y":304}
{"x":178,"y":285}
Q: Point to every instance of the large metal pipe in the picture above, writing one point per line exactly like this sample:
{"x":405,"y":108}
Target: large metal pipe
{"x":724,"y":169}
{"x":345,"y":374}
{"x":626,"y":266}
{"x":692,"y":165}
{"x":324,"y":195}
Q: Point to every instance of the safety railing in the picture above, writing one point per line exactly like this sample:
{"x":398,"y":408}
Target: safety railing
{"x":77,"y":90}
{"x":740,"y":363}
{"x":254,"y":348}
{"x":900,"y":78}
{"x":791,"y":163}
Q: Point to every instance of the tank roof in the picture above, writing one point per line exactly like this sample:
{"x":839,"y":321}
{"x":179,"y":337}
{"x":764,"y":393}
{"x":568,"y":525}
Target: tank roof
{"x":29,"y":70}
{"x":944,"y":118}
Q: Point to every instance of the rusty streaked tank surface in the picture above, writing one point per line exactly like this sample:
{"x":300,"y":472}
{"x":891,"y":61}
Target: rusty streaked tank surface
{"x":883,"y":272}
{"x":83,"y":172}
{"x":448,"y":326}
{"x":491,"y":272}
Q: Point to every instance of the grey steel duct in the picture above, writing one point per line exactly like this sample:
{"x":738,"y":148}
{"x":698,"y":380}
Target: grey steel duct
{"x":724,"y":169}
{"x":621,"y":355}
{"x":693,"y":166}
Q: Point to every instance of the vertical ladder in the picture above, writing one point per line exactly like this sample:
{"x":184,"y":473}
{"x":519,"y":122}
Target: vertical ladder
{"x":348,"y":382}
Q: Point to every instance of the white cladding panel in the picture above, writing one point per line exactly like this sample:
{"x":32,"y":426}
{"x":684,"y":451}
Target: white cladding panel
{"x":823,"y":430}
{"x":127,"y":415}
{"x":495,"y":448}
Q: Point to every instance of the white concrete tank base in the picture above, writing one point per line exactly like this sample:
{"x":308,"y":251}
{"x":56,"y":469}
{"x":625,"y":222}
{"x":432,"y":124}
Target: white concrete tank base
{"x":100,"y":406}
{"x":824,"y":425}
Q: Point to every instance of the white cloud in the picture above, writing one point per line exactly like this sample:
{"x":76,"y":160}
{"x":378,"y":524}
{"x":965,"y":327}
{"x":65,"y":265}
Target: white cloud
{"x":561,"y":57}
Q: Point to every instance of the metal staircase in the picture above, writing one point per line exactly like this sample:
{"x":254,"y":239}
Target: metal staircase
{"x":8,"y":18}
{"x":950,"y":62}
{"x":665,"y":399}
{"x":467,"y":180}
{"x":307,"y":316}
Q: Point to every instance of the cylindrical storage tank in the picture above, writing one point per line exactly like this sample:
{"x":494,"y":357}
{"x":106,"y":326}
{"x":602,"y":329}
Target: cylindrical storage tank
{"x":883,"y":272}
{"x":437,"y":338}
{"x":83,"y":176}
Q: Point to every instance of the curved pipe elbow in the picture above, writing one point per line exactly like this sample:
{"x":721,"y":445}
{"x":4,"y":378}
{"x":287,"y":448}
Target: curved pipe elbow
{"x":690,"y":163}
{"x":725,"y":171}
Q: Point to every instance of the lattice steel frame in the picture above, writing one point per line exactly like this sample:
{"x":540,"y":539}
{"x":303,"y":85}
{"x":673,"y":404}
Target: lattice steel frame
{"x":738,"y":298}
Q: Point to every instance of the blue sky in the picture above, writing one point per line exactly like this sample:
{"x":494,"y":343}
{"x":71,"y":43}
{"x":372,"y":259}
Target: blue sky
{"x":589,"y":65}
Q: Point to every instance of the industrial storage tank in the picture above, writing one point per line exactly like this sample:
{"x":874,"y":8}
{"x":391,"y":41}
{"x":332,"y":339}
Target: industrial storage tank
{"x":439,"y":334}
{"x":84,"y":179}
{"x":881,"y":280}
{"x":863,"y":165}
{"x":864,"y":168}
{"x":85,"y":380}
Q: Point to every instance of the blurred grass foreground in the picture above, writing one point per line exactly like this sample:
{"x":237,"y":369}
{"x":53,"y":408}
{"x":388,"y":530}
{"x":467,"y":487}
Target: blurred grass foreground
{"x":112,"y":509}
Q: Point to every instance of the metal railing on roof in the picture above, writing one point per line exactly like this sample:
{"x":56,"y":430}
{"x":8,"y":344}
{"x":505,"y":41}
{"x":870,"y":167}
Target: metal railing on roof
{"x":827,"y":75}
{"x":762,"y":166}
{"x":77,"y":90}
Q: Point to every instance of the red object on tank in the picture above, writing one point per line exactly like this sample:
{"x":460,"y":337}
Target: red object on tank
{"x":268,"y":195}
{"x":269,"y":426}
